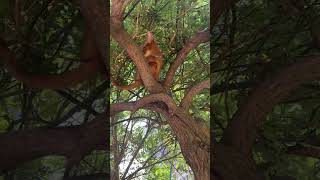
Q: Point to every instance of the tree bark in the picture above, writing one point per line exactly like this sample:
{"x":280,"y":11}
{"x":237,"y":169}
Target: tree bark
{"x":193,"y":137}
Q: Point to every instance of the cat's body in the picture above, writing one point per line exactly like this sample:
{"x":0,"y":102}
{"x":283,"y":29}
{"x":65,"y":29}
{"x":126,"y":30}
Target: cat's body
{"x":153,"y":56}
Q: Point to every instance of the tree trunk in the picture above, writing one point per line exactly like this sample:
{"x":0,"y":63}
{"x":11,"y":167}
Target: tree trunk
{"x":193,"y":137}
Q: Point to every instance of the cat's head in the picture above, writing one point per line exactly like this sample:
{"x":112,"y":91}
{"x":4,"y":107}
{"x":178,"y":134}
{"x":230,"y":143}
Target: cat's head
{"x":150,"y":47}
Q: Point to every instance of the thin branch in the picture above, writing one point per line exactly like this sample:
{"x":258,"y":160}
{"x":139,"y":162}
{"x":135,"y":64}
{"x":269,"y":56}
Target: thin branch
{"x":135,"y":153}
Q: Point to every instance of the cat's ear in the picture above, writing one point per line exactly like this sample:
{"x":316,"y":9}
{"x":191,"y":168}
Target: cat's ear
{"x":149,"y":37}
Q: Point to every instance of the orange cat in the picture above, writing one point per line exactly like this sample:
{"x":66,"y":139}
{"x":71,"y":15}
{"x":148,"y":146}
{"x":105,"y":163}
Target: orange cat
{"x":154,"y":58}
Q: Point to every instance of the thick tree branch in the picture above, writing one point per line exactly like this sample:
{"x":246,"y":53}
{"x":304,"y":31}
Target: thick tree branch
{"x":19,"y":147}
{"x":134,"y":106}
{"x":192,"y":43}
{"x":187,"y":100}
{"x":241,"y":131}
{"x":173,"y":111}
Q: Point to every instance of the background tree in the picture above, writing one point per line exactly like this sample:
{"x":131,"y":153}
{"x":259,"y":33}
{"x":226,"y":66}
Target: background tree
{"x":265,"y":71}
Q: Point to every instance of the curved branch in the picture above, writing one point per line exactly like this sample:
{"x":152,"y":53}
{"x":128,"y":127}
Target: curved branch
{"x":85,"y":71}
{"x":192,"y":43}
{"x":241,"y":131}
{"x":187,"y":100}
{"x":134,"y":106}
